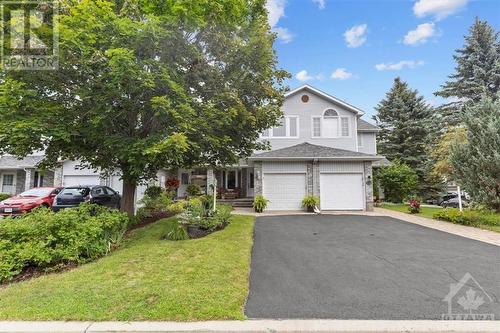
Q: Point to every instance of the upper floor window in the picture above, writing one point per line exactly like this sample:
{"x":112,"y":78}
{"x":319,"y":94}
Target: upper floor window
{"x":331,"y":125}
{"x":288,"y":128}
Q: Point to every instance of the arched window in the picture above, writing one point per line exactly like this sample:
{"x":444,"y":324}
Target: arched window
{"x":330,"y":113}
{"x":330,"y":123}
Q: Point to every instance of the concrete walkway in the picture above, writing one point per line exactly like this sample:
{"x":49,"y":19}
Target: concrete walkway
{"x":254,"y":326}
{"x":482,"y":235}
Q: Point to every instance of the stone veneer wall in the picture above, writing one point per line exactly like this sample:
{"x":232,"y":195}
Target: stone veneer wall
{"x":368,"y":187}
{"x":310,"y":178}
{"x":48,"y":178}
{"x":258,"y":177}
{"x":210,"y":180}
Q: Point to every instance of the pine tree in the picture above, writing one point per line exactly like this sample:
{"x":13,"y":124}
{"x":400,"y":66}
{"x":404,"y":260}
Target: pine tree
{"x":405,"y":120}
{"x":477,"y":72}
{"x":476,"y":163}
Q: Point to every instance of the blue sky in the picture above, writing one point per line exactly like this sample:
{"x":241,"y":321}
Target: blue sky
{"x":354,"y":49}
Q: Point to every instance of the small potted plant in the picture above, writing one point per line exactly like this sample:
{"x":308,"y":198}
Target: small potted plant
{"x":260,"y":203}
{"x":310,"y":202}
{"x":414,"y":206}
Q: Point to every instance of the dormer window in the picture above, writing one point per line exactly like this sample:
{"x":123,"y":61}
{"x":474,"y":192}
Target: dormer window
{"x":330,"y":125}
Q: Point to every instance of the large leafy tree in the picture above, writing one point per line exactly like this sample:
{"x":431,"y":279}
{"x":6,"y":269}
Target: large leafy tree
{"x":477,"y":72}
{"x":406,"y":121}
{"x":145,"y":85}
{"x":476,"y":162}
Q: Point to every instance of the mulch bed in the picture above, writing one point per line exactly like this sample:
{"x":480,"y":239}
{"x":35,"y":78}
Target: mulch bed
{"x":151,"y":219}
{"x":195,"y":231}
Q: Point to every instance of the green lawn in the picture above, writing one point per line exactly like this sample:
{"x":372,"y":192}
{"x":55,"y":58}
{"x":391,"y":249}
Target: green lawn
{"x":147,"y":278}
{"x":428,"y":212}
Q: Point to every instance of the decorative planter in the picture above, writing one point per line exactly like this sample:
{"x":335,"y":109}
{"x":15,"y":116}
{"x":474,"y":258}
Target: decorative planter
{"x":310,"y":209}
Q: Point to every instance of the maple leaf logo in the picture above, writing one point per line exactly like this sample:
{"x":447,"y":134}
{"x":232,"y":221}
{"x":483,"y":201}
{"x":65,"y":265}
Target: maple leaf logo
{"x":470,"y":301}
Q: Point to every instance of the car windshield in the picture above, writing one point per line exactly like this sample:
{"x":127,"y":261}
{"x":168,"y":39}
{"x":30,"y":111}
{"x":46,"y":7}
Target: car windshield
{"x":83,"y":191}
{"x":36,"y":192}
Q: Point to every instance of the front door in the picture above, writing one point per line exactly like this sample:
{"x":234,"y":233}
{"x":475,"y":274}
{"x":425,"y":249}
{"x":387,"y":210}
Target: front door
{"x":250,"y":182}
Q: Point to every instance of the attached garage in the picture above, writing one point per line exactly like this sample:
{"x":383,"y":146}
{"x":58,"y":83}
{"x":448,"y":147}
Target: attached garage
{"x":284,"y":184}
{"x":342,"y":179}
{"x":75,"y":180}
{"x":341,"y":191}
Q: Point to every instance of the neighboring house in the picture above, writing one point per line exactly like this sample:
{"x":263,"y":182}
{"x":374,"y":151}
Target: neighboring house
{"x":19,"y":175}
{"x":322,"y":147}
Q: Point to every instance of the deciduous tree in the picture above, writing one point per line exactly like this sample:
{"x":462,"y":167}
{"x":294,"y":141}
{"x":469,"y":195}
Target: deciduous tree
{"x":145,"y":85}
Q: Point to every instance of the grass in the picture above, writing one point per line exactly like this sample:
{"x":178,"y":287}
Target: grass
{"x":146,"y":279}
{"x":429,"y":212}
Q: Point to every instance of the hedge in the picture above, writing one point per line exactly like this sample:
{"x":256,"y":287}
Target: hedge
{"x":45,"y":240}
{"x":468,"y":217}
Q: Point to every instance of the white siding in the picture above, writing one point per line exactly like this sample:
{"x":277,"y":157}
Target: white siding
{"x":284,"y":167}
{"x":341,"y":167}
{"x":368,"y":140}
{"x":315,"y":107}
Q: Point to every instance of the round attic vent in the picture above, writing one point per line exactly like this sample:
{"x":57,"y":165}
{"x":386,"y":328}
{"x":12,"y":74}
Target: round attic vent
{"x":305,"y":98}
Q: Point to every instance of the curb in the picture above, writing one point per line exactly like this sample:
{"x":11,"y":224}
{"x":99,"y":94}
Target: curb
{"x":254,"y":326}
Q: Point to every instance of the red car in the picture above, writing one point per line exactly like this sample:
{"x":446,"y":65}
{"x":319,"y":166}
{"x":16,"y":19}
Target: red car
{"x":26,"y":201}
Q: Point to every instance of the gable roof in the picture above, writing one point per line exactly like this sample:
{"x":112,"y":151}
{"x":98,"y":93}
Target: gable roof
{"x":326,"y":96}
{"x":12,"y":162}
{"x":308,"y":151}
{"x":364,"y":126}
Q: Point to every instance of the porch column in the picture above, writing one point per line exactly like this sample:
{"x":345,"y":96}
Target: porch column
{"x":27,"y":179}
{"x":210,"y":181}
{"x":258,"y":177}
{"x":368,"y":185}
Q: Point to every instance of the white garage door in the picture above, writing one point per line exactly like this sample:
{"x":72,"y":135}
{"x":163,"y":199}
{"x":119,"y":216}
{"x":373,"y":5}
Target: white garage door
{"x":80,"y":180}
{"x":341,"y":191}
{"x":285,"y":191}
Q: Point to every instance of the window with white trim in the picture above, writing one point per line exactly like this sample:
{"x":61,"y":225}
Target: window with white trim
{"x":316,"y":127}
{"x":288,"y":128}
{"x":330,"y":126}
{"x":344,"y":126}
{"x":360,"y":140}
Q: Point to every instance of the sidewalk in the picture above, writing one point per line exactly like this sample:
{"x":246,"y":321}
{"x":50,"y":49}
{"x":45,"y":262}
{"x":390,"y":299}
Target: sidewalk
{"x":482,"y":235}
{"x":254,"y":326}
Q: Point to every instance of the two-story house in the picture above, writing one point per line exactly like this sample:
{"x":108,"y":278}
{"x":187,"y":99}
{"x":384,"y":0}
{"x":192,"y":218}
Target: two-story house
{"x":322,"y":147}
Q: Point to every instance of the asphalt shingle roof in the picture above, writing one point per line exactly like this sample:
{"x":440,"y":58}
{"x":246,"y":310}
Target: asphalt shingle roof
{"x":363,"y":125}
{"x":308,"y":150}
{"x":15,"y":163}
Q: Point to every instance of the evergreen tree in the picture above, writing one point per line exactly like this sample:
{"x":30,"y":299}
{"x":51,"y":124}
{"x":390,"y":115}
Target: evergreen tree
{"x":405,"y":120}
{"x":476,"y":163}
{"x":477,"y":72}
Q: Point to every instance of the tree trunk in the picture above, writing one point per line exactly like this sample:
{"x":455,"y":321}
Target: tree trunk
{"x":128,"y":197}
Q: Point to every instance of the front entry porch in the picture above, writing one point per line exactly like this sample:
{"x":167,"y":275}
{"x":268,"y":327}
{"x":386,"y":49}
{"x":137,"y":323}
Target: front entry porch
{"x":232,"y":183}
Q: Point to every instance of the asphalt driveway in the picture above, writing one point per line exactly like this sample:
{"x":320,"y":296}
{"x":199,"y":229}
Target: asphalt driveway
{"x":366,"y":267}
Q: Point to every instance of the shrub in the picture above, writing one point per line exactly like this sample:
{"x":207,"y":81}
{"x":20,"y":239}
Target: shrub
{"x":310,"y":201}
{"x":150,"y":205}
{"x":398,"y":180}
{"x":193,"y":190}
{"x":218,"y":219}
{"x":177,"y":232}
{"x":414,"y":206}
{"x":153,"y":192}
{"x":177,"y":207}
{"x":468,"y":217}
{"x":172,"y":184}
{"x":4,"y":196}
{"x":44,"y":239}
{"x":260,"y":203}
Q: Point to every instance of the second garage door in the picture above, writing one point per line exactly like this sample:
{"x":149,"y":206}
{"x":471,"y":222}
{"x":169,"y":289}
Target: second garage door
{"x":341,"y":191}
{"x":285,"y":191}
{"x":80,"y":180}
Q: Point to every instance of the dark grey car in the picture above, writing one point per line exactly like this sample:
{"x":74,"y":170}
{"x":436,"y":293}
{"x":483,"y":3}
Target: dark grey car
{"x":74,"y":195}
